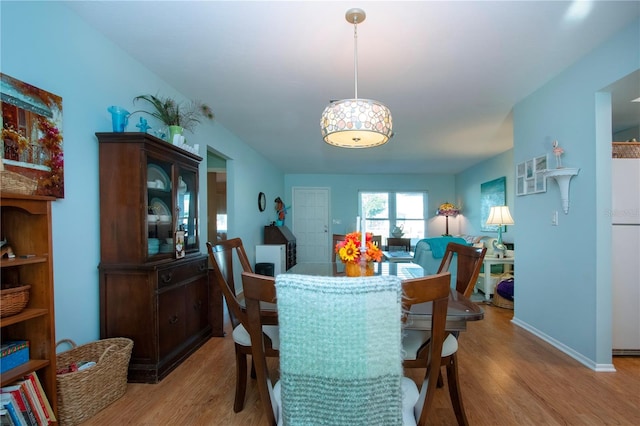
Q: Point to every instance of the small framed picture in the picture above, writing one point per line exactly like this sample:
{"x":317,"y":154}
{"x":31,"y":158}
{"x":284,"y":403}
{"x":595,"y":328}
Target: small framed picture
{"x":529,"y":173}
{"x":530,"y":176}
{"x":541,"y":163}
{"x":179,"y":239}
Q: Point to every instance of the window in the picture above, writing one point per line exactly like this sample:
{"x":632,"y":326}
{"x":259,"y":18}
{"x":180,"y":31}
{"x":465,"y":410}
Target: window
{"x":383,"y":211}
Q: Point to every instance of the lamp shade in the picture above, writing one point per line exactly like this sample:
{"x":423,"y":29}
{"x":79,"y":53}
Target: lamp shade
{"x":356,"y":123}
{"x":447,"y":209}
{"x":500,"y":215}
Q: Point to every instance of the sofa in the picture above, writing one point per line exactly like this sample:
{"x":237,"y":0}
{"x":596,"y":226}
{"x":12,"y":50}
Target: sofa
{"x":429,"y":252}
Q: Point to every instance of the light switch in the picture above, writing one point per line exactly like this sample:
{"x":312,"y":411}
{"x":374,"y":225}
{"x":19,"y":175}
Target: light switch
{"x":554,"y":218}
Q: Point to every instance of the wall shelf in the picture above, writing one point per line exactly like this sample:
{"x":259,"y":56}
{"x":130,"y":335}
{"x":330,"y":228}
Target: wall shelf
{"x":563,"y":176}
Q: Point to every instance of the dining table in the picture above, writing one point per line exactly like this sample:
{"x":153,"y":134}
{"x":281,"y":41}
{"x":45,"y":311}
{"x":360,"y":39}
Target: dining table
{"x":460,"y":309}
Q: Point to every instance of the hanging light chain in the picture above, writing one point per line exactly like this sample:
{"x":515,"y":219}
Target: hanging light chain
{"x":355,"y":54}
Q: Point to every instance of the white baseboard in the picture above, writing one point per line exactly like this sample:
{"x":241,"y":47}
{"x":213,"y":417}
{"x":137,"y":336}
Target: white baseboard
{"x":564,"y":348}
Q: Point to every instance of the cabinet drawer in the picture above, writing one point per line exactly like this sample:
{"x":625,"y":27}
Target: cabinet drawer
{"x":187,"y":270}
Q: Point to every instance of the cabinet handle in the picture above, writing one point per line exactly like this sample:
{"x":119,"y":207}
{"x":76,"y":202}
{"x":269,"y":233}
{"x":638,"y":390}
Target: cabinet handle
{"x":173,"y":319}
{"x":202,"y":266}
{"x":197,"y":306}
{"x":166,"y":278}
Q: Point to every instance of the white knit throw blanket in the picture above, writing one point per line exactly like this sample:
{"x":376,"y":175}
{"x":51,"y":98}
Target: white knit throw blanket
{"x":340,"y":350}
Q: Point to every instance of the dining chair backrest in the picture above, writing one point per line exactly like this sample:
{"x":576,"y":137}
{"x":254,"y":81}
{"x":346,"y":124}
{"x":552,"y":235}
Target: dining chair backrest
{"x":259,"y":289}
{"x":393,"y":244}
{"x":336,"y":239}
{"x":432,"y":288}
{"x":221,"y":257}
{"x":340,"y":349}
{"x":469,"y":262}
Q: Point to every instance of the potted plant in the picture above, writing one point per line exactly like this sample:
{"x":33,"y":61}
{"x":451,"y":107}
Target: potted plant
{"x":174,"y":114}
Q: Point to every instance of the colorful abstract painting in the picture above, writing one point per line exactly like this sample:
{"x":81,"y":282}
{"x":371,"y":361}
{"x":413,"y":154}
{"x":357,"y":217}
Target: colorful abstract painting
{"x":32,"y":135}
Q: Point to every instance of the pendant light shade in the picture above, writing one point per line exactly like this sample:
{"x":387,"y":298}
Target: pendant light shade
{"x":356,"y":123}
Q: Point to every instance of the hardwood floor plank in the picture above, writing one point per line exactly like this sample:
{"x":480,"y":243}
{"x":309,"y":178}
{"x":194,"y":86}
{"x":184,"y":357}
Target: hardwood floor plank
{"x":508,"y":377}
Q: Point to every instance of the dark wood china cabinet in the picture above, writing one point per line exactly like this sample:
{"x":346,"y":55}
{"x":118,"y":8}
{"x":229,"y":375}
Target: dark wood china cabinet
{"x":148,"y":293}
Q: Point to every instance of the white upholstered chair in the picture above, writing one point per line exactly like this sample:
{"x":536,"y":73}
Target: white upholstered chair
{"x":340,"y":348}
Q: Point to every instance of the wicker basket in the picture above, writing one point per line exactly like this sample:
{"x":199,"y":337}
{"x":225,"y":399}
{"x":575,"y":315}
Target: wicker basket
{"x":501,"y":302}
{"x":625,"y":149}
{"x":16,"y":183}
{"x":82,"y":394}
{"x":13,"y":300}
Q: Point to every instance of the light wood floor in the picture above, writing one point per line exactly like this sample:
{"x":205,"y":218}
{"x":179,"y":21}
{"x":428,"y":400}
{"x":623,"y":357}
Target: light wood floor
{"x":508,"y":377}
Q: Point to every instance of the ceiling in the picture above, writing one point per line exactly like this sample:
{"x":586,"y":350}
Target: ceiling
{"x":449,"y":71}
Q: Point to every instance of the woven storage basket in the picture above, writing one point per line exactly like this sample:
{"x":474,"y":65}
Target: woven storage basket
{"x":16,"y":183}
{"x":625,"y":149}
{"x":501,"y":302}
{"x":82,"y":394}
{"x":13,"y":300}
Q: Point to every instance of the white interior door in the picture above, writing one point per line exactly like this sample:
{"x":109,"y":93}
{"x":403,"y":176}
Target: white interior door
{"x":311,"y":224}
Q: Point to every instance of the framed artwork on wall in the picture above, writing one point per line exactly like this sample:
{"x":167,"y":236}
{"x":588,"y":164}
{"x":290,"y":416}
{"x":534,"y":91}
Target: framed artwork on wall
{"x":530,"y":177}
{"x":32,"y":136}
{"x":492,"y":193}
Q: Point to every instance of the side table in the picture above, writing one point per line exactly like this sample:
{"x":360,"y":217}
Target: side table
{"x":486,"y":283}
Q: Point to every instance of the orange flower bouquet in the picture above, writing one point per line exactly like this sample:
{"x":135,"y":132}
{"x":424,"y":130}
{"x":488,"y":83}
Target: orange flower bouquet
{"x":350,"y":253}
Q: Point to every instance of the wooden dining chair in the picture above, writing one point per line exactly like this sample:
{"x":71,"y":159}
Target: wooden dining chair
{"x":336,"y":239}
{"x":354,"y":377}
{"x":393,"y":244}
{"x":222,"y":257}
{"x":336,"y":258}
{"x":468,"y":261}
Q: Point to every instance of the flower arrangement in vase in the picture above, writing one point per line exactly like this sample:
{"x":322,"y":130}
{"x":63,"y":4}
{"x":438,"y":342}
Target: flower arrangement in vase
{"x":350,"y":252}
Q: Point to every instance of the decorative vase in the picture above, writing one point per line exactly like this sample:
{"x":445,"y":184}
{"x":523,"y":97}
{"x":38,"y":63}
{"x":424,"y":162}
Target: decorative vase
{"x":119,"y":118}
{"x":353,"y":269}
{"x":173,"y":131}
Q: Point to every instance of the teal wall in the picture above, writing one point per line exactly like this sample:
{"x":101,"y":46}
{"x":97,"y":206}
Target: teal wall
{"x":45,"y":44}
{"x":344,"y":194}
{"x":468,"y":193}
{"x":563,"y":290}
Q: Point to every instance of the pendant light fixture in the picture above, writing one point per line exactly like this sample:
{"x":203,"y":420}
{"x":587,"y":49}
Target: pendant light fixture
{"x":356,"y":123}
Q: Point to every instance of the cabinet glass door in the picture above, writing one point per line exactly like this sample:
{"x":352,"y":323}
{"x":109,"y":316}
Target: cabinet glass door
{"x":160,"y":218}
{"x":187,"y":207}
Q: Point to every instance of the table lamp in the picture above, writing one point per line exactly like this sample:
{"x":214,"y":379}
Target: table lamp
{"x":446,"y":210}
{"x":499,"y":215}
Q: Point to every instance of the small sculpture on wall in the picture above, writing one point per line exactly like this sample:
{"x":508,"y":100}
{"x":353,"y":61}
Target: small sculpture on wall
{"x":557,"y":151}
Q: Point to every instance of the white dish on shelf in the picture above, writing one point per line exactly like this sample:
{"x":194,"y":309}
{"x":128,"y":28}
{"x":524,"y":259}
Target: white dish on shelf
{"x":159,"y":176}
{"x":159,"y":207}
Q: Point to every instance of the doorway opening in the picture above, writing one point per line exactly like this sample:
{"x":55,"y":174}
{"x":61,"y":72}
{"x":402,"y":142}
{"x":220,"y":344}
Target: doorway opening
{"x":216,"y":198}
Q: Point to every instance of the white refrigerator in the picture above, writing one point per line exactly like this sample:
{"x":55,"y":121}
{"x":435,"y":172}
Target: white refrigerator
{"x":625,"y":251}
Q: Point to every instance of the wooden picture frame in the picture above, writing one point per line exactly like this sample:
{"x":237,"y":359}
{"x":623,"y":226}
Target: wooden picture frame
{"x":32,"y":136}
